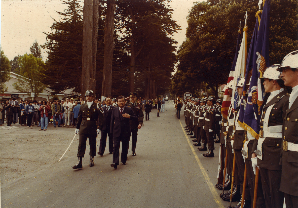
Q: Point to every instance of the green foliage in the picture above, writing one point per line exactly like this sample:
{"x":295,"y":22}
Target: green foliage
{"x":15,"y":63}
{"x":32,"y":73}
{"x":35,"y":50}
{"x":207,"y":54}
{"x":64,"y":46}
{"x":4,"y":71}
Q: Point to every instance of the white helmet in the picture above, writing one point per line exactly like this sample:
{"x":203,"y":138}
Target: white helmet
{"x":231,"y":83}
{"x":271,"y":72}
{"x":290,"y":60}
{"x":241,"y":82}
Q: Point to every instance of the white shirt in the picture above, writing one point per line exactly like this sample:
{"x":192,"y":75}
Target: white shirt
{"x":89,"y":104}
{"x":293,"y":96}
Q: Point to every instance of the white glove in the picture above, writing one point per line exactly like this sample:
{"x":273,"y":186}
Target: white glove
{"x":210,"y":130}
{"x":98,"y":131}
{"x":254,"y":163}
{"x":76,"y":131}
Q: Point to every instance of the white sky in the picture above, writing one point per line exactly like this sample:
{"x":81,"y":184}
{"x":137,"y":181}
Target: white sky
{"x":24,"y":21}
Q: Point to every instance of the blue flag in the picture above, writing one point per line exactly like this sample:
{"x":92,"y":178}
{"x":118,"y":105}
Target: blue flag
{"x":252,"y":112}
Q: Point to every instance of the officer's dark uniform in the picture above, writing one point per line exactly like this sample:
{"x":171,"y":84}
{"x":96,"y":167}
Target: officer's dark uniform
{"x":202,"y":138}
{"x":134,"y":122}
{"x":9,"y":113}
{"x":268,"y":148}
{"x":209,"y":129}
{"x":88,"y":123}
{"x":105,"y":130}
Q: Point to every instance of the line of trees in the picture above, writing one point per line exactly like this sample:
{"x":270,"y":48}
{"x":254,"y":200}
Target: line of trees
{"x":205,"y":58}
{"x":143,"y":56}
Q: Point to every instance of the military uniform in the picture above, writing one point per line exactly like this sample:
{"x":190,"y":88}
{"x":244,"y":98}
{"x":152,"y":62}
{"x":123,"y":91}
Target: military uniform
{"x":88,"y":122}
{"x":134,"y":122}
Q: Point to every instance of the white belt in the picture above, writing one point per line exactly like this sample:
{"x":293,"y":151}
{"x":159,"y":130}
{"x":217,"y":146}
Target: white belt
{"x":259,"y":151}
{"x":225,"y":124}
{"x":207,"y":119}
{"x":292,"y":147}
{"x":201,"y":117}
{"x":272,"y":135}
{"x":217,"y":114}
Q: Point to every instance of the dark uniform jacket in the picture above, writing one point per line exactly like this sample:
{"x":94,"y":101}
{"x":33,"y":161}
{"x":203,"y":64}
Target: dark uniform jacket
{"x":139,"y":116}
{"x":239,"y":134}
{"x":201,"y":116}
{"x":210,"y":119}
{"x":272,"y":146}
{"x":120,"y":126}
{"x":89,"y":119}
{"x":289,"y":177}
{"x":106,"y":120}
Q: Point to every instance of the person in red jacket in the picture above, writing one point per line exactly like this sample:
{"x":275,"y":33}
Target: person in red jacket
{"x":44,"y":109}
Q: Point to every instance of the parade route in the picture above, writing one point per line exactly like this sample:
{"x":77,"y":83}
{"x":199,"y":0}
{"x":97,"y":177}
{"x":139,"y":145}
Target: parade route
{"x":168,"y":170}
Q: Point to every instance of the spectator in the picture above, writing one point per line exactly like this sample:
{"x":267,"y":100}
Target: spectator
{"x":76,"y":110}
{"x":44,"y":113}
{"x":29,"y":112}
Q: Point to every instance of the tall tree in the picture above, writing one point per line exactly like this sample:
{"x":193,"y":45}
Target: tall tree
{"x":36,"y":50}
{"x":32,"y":73}
{"x":64,"y":47}
{"x":108,"y":49}
{"x":4,"y":71}
{"x":15,"y":63}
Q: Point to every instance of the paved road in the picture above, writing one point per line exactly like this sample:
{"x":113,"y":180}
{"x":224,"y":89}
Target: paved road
{"x":168,"y":171}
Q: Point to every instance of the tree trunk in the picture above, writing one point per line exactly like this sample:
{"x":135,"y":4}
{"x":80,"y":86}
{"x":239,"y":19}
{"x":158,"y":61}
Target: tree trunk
{"x":132,"y":65}
{"x":87,"y":55}
{"x":94,"y":43}
{"x":108,"y":50}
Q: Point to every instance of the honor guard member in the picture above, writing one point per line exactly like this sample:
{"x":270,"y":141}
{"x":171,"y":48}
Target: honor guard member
{"x":196,"y":120}
{"x":209,"y":126}
{"x":88,"y":127}
{"x":136,"y":122}
{"x":217,"y":121}
{"x":289,"y":176}
{"x":190,"y":117}
{"x":202,"y":138}
{"x":239,"y":137}
{"x":268,"y":146}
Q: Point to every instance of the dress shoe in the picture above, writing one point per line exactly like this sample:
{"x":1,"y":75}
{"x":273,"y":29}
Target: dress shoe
{"x":123,"y":163}
{"x":195,"y":140}
{"x":202,"y":149}
{"x":209,"y":154}
{"x":111,"y":153}
{"x":78,"y":166}
{"x":134,"y":154}
{"x":193,"y":137}
{"x":190,"y":133}
{"x":235,"y":196}
{"x":216,"y":141}
{"x":114,"y":165}
{"x":197,"y":144}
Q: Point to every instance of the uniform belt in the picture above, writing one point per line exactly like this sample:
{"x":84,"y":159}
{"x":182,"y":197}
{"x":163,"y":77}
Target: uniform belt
{"x":272,"y":135}
{"x":289,"y":146}
{"x":225,"y":124}
{"x":217,"y":114}
{"x":207,"y":119}
{"x":201,"y":117}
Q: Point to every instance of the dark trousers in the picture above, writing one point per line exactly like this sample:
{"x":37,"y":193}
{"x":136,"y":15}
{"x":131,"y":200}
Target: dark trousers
{"x":240,"y":168}
{"x":23,"y":119}
{"x":15,"y":116}
{"x":210,"y":140}
{"x":178,"y":114}
{"x":203,"y":136}
{"x":125,"y":143}
{"x":291,"y":201}
{"x":103,"y":141}
{"x":270,"y":186}
{"x":29,"y":119}
{"x":82,"y":144}
{"x":147,"y":116}
{"x":9,"y":119}
{"x":134,"y":138}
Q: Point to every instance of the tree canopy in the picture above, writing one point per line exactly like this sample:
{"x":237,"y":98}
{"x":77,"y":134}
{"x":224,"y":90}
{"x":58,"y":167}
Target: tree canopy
{"x":4,"y":71}
{"x":206,"y":57}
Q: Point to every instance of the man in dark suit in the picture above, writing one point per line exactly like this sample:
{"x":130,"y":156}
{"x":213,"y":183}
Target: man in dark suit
{"x":9,"y":113}
{"x":105,"y":128}
{"x":289,"y":176}
{"x":89,"y":120}
{"x":120,"y":127}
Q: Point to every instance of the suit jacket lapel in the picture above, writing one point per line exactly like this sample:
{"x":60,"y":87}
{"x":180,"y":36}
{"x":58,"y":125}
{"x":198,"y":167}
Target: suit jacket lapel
{"x":275,"y":99}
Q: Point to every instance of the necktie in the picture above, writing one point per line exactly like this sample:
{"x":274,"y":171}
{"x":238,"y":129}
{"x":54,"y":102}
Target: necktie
{"x":121,"y":110}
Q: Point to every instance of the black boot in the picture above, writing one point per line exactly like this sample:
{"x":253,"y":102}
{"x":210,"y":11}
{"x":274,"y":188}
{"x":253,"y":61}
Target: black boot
{"x":235,"y":195}
{"x":91,"y":161}
{"x":209,"y":154}
{"x":79,"y":165}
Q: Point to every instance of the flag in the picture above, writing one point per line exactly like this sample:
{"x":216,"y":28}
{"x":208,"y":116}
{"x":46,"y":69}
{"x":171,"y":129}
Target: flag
{"x":252,"y":112}
{"x":226,"y":98}
{"x":249,"y":66}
